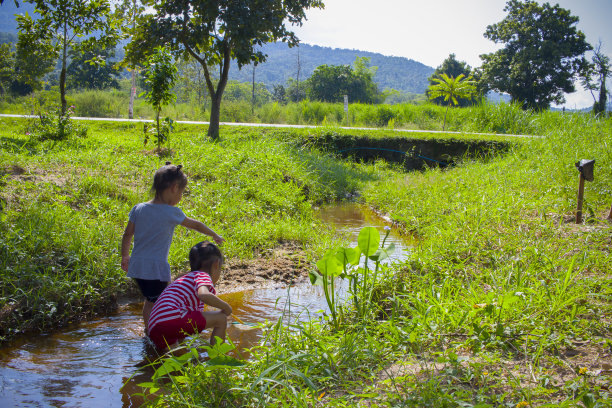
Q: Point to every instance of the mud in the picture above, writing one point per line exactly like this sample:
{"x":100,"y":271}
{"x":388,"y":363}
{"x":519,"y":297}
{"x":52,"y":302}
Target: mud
{"x":284,"y":265}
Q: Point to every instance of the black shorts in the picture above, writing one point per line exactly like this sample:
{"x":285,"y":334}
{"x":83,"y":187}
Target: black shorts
{"x":151,"y":289}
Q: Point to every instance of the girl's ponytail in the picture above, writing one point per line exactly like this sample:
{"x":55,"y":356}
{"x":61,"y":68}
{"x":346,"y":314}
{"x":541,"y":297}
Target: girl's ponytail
{"x":166,"y":176}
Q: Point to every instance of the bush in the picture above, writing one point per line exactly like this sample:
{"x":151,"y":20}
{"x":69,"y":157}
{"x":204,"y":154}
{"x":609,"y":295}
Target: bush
{"x":56,"y":127}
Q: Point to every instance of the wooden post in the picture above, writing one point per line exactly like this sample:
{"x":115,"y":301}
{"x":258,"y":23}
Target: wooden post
{"x":580,"y":198}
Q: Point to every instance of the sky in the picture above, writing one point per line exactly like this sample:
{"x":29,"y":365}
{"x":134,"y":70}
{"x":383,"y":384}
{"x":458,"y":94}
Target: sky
{"x":428,"y":31}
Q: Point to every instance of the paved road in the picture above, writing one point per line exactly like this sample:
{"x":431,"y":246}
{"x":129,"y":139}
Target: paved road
{"x":276,"y":125}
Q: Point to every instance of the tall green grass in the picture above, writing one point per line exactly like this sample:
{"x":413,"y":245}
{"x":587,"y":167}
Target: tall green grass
{"x":505,"y":301}
{"x":65,"y":206}
{"x":485,"y":117}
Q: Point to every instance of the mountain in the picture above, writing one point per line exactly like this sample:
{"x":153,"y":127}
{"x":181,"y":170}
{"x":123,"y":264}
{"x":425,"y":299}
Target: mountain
{"x":402,"y":74}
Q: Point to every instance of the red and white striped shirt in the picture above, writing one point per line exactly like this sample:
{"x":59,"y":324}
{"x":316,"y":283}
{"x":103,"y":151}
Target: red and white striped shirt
{"x":180,"y":297}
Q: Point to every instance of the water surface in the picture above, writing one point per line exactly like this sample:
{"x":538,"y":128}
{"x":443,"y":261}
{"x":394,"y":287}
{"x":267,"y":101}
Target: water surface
{"x":87,"y":365}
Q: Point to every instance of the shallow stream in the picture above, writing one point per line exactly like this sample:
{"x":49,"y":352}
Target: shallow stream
{"x":87,"y":365}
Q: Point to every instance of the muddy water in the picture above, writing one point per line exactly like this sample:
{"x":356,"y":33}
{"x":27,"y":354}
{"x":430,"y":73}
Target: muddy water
{"x":87,"y":365}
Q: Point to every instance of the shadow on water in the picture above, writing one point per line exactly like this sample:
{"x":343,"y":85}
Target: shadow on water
{"x":88,"y":365}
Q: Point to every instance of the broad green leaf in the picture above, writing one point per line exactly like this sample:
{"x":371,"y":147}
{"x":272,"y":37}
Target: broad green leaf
{"x":219,"y":349}
{"x":348,"y":255}
{"x":315,"y":278}
{"x":368,"y":240}
{"x":329,"y":266}
{"x":383,"y":253}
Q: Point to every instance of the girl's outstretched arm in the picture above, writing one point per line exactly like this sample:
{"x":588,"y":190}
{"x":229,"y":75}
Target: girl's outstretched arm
{"x":126,"y":242}
{"x":201,"y":228}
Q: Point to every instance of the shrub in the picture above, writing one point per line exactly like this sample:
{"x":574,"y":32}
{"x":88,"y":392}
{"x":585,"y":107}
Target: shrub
{"x":55,"y":126}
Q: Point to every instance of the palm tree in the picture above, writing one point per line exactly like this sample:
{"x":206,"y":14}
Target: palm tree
{"x":451,"y":88}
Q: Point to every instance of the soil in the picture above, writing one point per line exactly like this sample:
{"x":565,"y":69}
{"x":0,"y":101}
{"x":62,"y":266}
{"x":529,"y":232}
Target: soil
{"x":282,"y":266}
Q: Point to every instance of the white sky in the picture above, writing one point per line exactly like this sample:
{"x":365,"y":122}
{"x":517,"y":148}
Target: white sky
{"x":428,"y":31}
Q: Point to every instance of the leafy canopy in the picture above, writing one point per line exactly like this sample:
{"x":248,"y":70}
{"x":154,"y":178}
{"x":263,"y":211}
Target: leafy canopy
{"x":329,"y":83}
{"x":451,"y":89}
{"x":543,"y":51}
{"x":452,"y":68}
{"x":84,"y":25}
{"x":216,"y":32}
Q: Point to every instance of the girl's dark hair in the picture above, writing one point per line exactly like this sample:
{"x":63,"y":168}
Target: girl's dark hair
{"x":167,"y":175}
{"x":203,"y":254}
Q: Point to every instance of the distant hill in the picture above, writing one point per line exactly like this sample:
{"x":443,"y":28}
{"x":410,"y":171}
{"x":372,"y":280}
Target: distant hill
{"x":402,"y":74}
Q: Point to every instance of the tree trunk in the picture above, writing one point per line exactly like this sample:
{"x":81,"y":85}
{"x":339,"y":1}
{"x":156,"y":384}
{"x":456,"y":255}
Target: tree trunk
{"x":603,"y":97}
{"x":215,"y":114}
{"x":445,"y":112}
{"x":62,"y":82}
{"x":158,"y":131}
{"x":132,"y":92}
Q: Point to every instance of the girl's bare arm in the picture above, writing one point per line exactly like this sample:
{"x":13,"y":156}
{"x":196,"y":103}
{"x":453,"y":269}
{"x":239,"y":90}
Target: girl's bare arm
{"x":212,"y":300}
{"x":126,"y":242}
{"x":201,"y":228}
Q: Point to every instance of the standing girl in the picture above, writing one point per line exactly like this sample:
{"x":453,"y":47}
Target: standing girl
{"x":152,"y":224}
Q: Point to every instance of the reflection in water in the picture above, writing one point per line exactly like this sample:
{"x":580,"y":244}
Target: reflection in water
{"x":87,"y":366}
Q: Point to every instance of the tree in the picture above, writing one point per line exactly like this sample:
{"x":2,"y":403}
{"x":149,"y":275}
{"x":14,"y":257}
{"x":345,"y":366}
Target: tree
{"x":160,"y":76}
{"x":595,"y":76}
{"x":330,"y":83}
{"x":61,"y":23}
{"x":543,"y":53}
{"x":452,"y":68}
{"x":128,"y":11}
{"x":85,"y":74}
{"x":33,"y":57}
{"x":7,"y":68}
{"x":451,"y":90}
{"x":216,"y":32}
{"x":279,"y":94}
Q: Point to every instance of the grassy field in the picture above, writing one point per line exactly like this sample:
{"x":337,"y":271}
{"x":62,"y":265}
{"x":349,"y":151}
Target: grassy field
{"x":493,"y":118}
{"x":505,"y":302}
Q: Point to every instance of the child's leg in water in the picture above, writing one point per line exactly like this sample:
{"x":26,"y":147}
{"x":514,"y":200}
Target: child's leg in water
{"x":146,"y":313}
{"x":218,"y":322}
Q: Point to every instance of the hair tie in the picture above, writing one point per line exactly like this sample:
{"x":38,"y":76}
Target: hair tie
{"x":179,"y":167}
{"x":168,"y":163}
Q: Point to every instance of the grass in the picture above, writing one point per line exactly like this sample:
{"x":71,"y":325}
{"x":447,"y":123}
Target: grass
{"x":504,"y":302}
{"x":65,"y":206}
{"x":487,"y":118}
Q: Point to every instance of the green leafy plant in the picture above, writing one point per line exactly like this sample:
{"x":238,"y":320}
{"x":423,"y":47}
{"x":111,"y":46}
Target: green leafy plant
{"x":451,"y":88}
{"x":160,"y":76}
{"x":55,"y":126}
{"x":345,"y":263}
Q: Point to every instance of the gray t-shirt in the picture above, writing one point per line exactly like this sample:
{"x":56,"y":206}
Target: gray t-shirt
{"x":153,"y":229}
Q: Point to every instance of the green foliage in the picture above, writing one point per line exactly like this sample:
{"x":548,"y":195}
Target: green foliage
{"x":451,"y":89}
{"x":60,"y":24}
{"x":83,"y":72}
{"x":594,"y":77}
{"x":331,"y":83}
{"x":160,"y":75}
{"x":192,"y":29}
{"x":543,"y":52}
{"x":344,"y":263}
{"x":452,"y":68}
{"x":56,"y":126}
